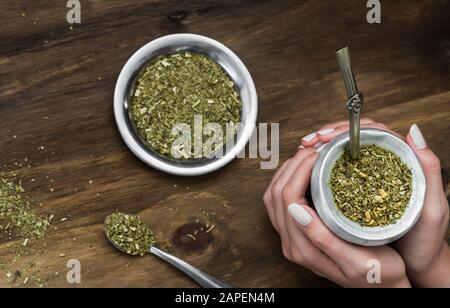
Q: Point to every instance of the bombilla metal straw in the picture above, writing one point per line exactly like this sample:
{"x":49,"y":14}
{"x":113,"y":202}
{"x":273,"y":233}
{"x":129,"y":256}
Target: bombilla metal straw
{"x":355,"y":102}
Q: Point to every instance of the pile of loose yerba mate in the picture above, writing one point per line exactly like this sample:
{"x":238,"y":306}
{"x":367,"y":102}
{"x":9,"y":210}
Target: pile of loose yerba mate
{"x":17,"y":213}
{"x":373,"y":191}
{"x":177,"y":88}
{"x":129,"y":233}
{"x":20,"y":225}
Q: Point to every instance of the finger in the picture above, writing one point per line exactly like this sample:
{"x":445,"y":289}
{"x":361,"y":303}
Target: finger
{"x":302,"y":250}
{"x":327,"y":132}
{"x":309,"y":140}
{"x":325,"y":138}
{"x":428,"y":159}
{"x":345,"y":122}
{"x":285,"y":173}
{"x":278,"y":187}
{"x":346,"y":255}
{"x":279,"y":172}
{"x":295,"y":188}
{"x":431,"y":166}
{"x":304,"y":253}
{"x":268,"y":202}
{"x":314,"y":145}
{"x":293,"y":193}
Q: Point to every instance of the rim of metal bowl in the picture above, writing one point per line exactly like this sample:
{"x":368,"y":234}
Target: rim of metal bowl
{"x":335,"y":219}
{"x":184,"y":42}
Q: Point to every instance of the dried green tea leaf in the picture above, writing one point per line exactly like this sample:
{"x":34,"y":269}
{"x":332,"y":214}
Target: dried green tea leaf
{"x":129,"y":233}
{"x":176,"y":88}
{"x":374,"y":190}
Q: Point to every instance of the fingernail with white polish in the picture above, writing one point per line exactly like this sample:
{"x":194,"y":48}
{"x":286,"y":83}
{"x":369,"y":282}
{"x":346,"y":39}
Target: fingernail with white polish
{"x":299,"y":213}
{"x":417,"y":137}
{"x":301,"y":147}
{"x":310,"y":137}
{"x":325,"y":132}
{"x":320,"y":148}
{"x":318,"y":145}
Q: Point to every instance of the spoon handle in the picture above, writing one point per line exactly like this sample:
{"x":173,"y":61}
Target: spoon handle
{"x":198,"y":276}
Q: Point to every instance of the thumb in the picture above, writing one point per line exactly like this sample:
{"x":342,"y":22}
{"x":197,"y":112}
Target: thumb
{"x":430,"y":162}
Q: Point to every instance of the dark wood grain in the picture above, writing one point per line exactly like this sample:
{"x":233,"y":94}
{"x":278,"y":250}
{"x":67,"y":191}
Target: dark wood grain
{"x":56,"y":91}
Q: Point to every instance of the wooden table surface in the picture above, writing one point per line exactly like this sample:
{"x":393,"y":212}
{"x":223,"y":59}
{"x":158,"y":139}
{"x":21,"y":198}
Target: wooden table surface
{"x":56,"y":91}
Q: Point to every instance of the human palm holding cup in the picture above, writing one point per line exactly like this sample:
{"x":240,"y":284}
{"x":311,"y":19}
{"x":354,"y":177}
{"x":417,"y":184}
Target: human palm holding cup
{"x":420,"y":258}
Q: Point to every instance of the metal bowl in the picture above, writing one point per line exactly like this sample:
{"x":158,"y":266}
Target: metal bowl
{"x":174,"y":44}
{"x":332,"y":215}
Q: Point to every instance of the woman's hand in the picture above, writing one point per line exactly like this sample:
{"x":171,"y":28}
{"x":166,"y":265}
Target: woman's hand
{"x":424,"y":249}
{"x":308,"y":242}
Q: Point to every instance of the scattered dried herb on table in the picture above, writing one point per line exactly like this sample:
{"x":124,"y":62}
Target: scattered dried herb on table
{"x":129,"y":233}
{"x":374,"y":190}
{"x":20,"y":224}
{"x":176,"y":88}
{"x":16,"y":210}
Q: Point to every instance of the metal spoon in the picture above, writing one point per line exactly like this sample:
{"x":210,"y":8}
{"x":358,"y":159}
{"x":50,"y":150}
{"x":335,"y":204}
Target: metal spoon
{"x":195,"y":274}
{"x":355,"y":102}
